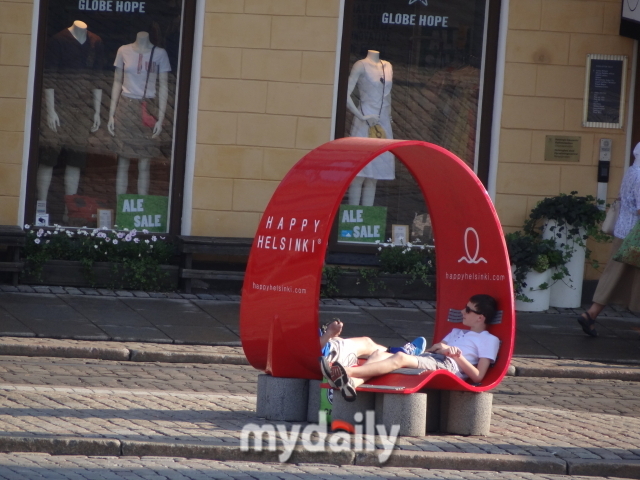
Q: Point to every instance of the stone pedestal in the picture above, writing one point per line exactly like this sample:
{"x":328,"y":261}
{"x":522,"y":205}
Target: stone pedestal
{"x":345,"y":411}
{"x":313,"y":405}
{"x":466,"y":413}
{"x":282,"y":399}
{"x":407,"y":411}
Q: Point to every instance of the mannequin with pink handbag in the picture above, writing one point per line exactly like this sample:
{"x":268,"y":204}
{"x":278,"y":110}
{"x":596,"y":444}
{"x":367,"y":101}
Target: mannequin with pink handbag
{"x":137,"y":108}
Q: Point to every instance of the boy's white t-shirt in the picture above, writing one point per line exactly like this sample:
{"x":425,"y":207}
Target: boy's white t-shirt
{"x":135,"y":66}
{"x":473,"y":345}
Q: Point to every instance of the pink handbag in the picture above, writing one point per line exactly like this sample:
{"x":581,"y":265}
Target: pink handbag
{"x":148,"y":120}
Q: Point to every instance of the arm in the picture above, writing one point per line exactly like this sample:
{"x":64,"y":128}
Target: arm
{"x":52,"y":117}
{"x":163,"y":94}
{"x":115,"y":96}
{"x":475,"y":374}
{"x":437,"y":347}
{"x":356,"y":71}
{"x":97,"y":101}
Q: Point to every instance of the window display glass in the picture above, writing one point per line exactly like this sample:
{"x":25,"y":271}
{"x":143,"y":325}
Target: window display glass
{"x":106,"y":128}
{"x":414,"y":72}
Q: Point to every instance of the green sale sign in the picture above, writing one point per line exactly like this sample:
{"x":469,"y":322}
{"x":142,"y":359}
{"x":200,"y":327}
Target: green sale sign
{"x":148,"y":212}
{"x":358,"y":224}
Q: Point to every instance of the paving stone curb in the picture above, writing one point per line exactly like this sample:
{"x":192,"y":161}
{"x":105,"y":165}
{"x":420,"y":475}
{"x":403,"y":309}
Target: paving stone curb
{"x":631,"y":375}
{"x":57,"y":349}
{"x":231,"y":453}
{"x":604,"y":468}
{"x":179,"y":357}
{"x":116,"y":353}
{"x":466,"y":461}
{"x":60,"y":445}
{"x":399,"y":458}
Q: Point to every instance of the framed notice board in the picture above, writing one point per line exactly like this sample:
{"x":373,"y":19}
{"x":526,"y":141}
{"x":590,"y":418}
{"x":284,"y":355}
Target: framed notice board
{"x":604,"y":91}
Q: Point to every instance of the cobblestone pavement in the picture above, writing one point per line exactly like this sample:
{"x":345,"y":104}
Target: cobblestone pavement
{"x":209,"y":404}
{"x":30,"y":466}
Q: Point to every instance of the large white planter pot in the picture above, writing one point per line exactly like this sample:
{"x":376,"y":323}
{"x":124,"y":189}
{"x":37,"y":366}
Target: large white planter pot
{"x":567,"y":293}
{"x":540,"y":297}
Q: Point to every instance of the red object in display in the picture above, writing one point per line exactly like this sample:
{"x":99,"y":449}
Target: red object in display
{"x":82,"y":207}
{"x":280,"y":296}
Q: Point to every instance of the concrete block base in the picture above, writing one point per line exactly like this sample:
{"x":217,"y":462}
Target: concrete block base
{"x":407,"y":411}
{"x":283,"y":399}
{"x":343,"y":410}
{"x":313,"y":405}
{"x":466,"y":413}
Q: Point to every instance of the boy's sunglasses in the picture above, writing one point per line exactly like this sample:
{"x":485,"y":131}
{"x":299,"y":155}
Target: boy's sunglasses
{"x":469,"y":310}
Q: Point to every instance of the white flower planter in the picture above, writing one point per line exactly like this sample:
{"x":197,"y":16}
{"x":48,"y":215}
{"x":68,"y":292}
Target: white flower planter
{"x":567,"y":293}
{"x":540,"y":297}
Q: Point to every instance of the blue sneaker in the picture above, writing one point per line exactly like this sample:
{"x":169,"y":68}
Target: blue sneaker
{"x":416,"y":347}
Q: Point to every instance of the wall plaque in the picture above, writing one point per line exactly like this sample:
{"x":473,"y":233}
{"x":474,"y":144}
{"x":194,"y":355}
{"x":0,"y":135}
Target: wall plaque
{"x":604,"y":91}
{"x":559,"y":148}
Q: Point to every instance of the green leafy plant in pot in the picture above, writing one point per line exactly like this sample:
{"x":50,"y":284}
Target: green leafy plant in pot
{"x":569,"y":220}
{"x":572,"y":216}
{"x":528,"y":253}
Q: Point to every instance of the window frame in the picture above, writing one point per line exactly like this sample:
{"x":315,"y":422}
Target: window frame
{"x":181,"y":121}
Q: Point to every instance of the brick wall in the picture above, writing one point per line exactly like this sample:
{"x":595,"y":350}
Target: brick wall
{"x":15,"y":39}
{"x":547,"y":46}
{"x":266,"y":95}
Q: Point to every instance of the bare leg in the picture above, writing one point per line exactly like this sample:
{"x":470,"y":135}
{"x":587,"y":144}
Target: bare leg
{"x":71,"y":180}
{"x":595,"y":309}
{"x":369,"y":192}
{"x":122,"y":176}
{"x":364,"y":346}
{"x":587,"y":319}
{"x":144,"y":171}
{"x":380,"y":364}
{"x":355,"y":191}
{"x":45,"y":172}
{"x":360,"y":346}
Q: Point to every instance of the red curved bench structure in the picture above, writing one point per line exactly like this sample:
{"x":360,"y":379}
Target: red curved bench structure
{"x":280,"y":297}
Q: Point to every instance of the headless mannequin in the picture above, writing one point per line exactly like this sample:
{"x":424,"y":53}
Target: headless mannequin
{"x":362,"y":190}
{"x":142,"y":45}
{"x":71,"y":174}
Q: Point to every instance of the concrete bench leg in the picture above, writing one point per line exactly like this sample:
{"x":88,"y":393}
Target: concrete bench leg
{"x":343,"y":410}
{"x":466,"y":413}
{"x":283,"y":399}
{"x":314,"y":400}
{"x":407,"y":411}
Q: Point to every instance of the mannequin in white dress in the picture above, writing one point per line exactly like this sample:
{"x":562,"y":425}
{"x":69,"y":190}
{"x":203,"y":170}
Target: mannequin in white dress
{"x":374,"y":79}
{"x":72,"y":172}
{"x":130,"y":84}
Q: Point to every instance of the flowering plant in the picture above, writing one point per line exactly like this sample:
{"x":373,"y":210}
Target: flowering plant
{"x":136,"y":257}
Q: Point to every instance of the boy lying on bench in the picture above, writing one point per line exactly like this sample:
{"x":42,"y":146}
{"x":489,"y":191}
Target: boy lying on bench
{"x":466,"y":353}
{"x":347,"y":351}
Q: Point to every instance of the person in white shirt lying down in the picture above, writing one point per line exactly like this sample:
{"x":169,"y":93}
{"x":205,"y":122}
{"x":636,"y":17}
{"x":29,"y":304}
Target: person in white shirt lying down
{"x":466,"y":353}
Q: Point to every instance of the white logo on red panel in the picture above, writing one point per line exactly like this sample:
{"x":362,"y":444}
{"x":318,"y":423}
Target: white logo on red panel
{"x":469,"y":258}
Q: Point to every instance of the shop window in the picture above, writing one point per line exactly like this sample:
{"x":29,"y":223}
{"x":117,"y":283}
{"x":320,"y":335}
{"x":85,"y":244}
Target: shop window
{"x":410,"y":69}
{"x":104,"y":138}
